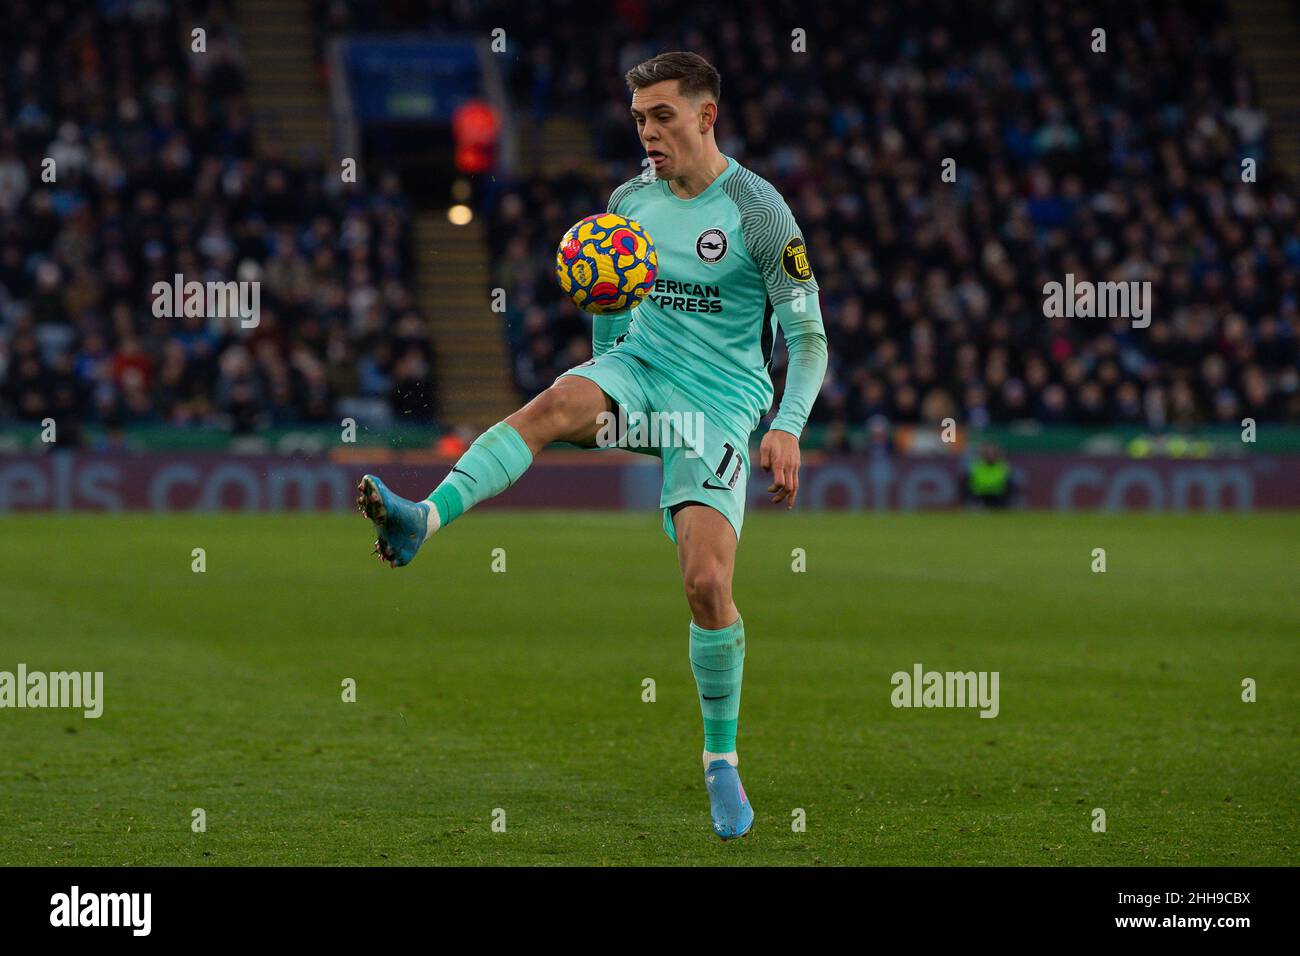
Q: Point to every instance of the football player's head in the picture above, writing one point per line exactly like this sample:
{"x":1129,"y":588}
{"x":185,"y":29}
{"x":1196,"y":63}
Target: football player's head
{"x":675,"y":105}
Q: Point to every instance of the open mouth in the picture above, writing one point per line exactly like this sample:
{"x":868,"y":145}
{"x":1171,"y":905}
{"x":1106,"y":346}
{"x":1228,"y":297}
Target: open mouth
{"x":656,"y":157}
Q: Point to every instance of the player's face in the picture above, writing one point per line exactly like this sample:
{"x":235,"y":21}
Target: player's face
{"x":669,"y":126}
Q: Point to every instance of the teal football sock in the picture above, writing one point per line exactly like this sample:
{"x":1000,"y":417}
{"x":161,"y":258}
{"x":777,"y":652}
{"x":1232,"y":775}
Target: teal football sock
{"x":489,"y":466}
{"x":718,"y":661}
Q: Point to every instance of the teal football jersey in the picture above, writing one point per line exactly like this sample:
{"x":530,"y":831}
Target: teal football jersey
{"x":731,"y":260}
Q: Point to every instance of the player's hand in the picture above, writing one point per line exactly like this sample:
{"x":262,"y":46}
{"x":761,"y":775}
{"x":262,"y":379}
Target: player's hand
{"x":779,"y":454}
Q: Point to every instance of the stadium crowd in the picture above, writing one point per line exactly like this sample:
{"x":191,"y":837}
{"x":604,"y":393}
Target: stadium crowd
{"x":1117,"y":165}
{"x":155,"y":175}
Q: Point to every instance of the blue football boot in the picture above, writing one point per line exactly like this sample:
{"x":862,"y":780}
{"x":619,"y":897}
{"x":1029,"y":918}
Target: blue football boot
{"x":402,"y":525}
{"x":732,"y":815}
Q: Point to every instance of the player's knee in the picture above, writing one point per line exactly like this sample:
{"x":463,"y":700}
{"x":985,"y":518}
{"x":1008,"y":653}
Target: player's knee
{"x":574,"y":402}
{"x":708,"y":588}
{"x":551,"y":416}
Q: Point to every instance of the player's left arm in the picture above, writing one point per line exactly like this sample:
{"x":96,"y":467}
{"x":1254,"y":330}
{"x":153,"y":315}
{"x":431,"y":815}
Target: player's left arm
{"x":805,"y":339}
{"x":783,"y":258}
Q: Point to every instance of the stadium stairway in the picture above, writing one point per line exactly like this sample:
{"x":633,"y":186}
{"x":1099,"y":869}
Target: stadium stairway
{"x":287,"y":95}
{"x":473,"y":362}
{"x":475,"y":385}
{"x":1268,"y":32}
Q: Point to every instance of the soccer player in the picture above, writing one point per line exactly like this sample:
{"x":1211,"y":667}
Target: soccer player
{"x":732,"y":263}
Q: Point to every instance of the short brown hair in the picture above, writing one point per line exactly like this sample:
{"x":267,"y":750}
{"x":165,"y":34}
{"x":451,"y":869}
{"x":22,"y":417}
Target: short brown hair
{"x":695,"y":75}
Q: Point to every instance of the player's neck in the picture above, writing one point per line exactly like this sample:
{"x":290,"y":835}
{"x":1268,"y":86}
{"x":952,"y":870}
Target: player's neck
{"x":691,"y":184}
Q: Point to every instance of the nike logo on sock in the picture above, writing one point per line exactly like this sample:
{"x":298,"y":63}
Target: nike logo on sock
{"x":707,"y":697}
{"x":466,"y":474}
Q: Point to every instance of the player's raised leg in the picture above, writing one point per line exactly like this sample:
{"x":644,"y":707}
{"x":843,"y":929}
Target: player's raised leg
{"x":567,"y":411}
{"x":706,"y":551}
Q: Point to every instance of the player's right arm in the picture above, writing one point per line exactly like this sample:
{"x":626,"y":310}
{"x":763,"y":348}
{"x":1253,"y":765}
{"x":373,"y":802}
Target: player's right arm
{"x":606,"y":329}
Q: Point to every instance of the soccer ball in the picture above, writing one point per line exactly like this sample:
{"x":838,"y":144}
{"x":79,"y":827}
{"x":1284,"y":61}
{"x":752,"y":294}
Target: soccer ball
{"x":606,"y":263}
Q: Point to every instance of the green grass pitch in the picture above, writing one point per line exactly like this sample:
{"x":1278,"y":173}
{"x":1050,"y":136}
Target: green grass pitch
{"x":522,"y":691}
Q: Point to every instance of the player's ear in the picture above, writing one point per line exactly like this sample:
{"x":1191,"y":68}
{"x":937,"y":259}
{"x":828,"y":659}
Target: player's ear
{"x":708,"y":116}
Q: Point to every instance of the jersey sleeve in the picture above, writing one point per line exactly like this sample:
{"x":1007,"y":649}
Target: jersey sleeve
{"x":606,"y":329}
{"x":776,"y":244}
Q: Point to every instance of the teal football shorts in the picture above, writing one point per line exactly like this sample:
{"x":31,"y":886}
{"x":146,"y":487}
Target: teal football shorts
{"x":705,"y":455}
